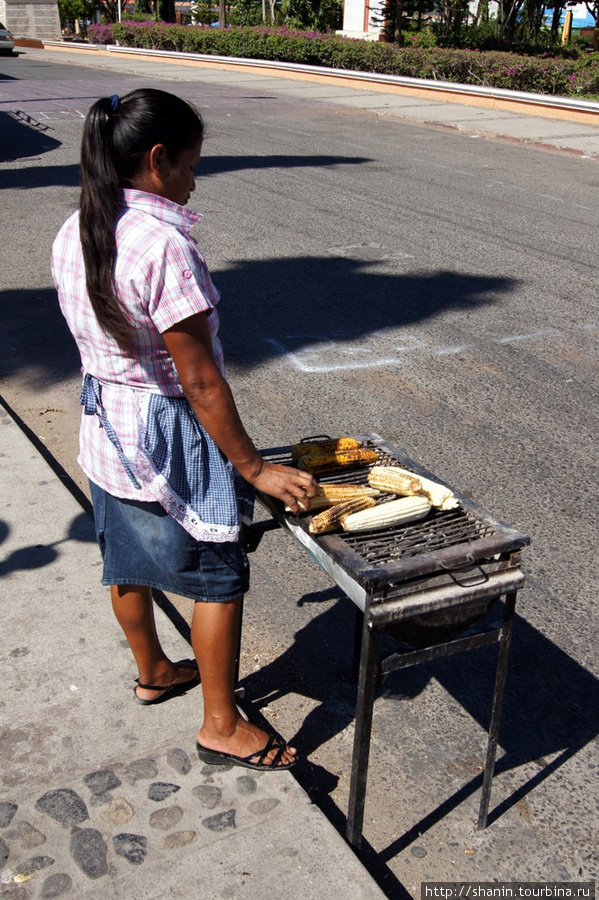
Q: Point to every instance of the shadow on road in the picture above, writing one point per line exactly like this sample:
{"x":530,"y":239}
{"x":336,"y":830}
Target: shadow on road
{"x":22,"y":136}
{"x":217,"y":165}
{"x":551,"y":707}
{"x":279,"y":306}
{"x":311,"y":298}
{"x":36,"y":339}
{"x":39,"y":177}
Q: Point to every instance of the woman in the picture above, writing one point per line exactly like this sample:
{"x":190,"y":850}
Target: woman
{"x":171,"y":467}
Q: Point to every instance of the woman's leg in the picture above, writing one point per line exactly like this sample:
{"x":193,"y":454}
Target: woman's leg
{"x":134,"y":609}
{"x":215,"y":639}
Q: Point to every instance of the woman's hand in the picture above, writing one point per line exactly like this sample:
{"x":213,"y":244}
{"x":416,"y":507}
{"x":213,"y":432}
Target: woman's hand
{"x":291,"y":486}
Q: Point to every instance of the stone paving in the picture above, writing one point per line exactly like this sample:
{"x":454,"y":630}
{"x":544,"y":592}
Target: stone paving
{"x":125,"y":817}
{"x":100,"y":798}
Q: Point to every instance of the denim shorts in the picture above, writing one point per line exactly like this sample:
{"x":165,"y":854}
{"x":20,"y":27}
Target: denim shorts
{"x":141,"y":544}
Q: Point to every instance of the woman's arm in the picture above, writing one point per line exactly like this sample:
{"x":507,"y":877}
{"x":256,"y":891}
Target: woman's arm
{"x":209,"y":394}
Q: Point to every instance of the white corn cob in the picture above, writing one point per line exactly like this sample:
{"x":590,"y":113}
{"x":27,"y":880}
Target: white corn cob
{"x":394,"y":481}
{"x":340,"y":492}
{"x":440,"y":496}
{"x":395,"y":512}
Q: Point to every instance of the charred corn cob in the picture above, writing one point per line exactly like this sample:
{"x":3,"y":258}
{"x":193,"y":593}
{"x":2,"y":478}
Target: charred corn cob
{"x":328,"y":460}
{"x":305,"y":448}
{"x":440,"y":496}
{"x":332,"y":494}
{"x":337,"y":493}
{"x":395,"y":512}
{"x":330,"y":519}
{"x":394,"y":481}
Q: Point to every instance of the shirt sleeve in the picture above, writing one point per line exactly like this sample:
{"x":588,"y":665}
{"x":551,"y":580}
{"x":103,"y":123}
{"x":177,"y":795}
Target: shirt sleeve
{"x":179,"y":284}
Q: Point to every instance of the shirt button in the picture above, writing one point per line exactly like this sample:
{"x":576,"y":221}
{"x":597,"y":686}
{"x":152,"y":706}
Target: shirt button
{"x":187,"y":273}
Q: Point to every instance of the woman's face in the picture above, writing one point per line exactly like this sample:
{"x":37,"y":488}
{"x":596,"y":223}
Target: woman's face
{"x":174,"y":180}
{"x":178,"y":177}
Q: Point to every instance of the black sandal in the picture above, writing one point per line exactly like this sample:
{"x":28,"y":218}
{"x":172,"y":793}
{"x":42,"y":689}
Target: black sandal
{"x":215,"y":758}
{"x":171,"y":690}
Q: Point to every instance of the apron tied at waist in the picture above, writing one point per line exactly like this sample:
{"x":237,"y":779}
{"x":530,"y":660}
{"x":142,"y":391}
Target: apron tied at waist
{"x":91,"y":401}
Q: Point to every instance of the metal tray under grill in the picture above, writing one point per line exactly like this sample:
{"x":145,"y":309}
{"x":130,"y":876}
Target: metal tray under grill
{"x":445,"y":541}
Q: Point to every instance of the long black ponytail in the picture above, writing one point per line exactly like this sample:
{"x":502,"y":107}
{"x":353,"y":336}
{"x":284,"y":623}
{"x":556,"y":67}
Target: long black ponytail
{"x":117,"y":135}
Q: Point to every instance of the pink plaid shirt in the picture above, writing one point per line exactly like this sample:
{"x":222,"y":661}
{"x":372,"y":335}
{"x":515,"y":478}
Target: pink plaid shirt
{"x":161,"y":279}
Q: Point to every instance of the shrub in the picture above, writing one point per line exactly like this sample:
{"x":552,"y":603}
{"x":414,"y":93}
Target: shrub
{"x":572,"y":73}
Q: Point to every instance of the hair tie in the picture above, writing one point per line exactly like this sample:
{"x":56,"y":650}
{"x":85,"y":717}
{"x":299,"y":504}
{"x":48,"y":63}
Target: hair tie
{"x":115,"y":102}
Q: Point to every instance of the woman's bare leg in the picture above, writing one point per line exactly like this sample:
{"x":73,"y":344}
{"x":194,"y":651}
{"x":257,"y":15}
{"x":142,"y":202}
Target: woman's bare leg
{"x":134,"y":609}
{"x":215,"y":638}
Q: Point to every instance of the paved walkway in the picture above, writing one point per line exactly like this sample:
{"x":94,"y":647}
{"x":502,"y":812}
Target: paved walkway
{"x":100,"y":797}
{"x":480,"y":121}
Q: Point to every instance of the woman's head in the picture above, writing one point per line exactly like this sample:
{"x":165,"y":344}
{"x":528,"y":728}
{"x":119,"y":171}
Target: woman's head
{"x":147,"y":139}
{"x":119,"y":133}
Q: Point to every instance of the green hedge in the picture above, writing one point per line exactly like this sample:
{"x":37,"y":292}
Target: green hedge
{"x":544,"y":75}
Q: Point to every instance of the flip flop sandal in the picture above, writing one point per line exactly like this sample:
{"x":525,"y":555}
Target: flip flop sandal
{"x":168,"y":691}
{"x":214,"y":758}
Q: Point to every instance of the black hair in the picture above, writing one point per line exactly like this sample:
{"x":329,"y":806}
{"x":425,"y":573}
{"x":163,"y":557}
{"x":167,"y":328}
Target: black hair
{"x":117,"y":135}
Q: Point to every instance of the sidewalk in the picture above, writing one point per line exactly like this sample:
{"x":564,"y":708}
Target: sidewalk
{"x":468,"y":115}
{"x":100,"y":797}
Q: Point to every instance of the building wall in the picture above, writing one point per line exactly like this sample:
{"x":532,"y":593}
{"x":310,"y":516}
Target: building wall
{"x":356,"y":19}
{"x":31,"y":18}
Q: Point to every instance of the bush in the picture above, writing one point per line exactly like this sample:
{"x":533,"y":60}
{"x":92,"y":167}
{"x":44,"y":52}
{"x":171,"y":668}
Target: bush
{"x":575,"y":73}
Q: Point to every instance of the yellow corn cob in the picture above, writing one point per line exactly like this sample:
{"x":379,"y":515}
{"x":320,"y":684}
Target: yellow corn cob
{"x":316,"y":503}
{"x":329,"y":519}
{"x":327,"y":460}
{"x":440,"y":496}
{"x":337,"y":493}
{"x":308,"y":447}
{"x":394,"y":481}
{"x":395,"y":512}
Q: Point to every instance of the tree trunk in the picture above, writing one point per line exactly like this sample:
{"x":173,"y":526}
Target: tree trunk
{"x":398,"y":30}
{"x":222,"y":14}
{"x":557,"y":12}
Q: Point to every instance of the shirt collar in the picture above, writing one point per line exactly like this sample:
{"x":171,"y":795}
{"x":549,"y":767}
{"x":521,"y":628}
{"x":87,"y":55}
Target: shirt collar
{"x":166,"y":210}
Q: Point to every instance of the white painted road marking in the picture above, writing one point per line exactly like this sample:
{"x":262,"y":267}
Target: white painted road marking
{"x":323,"y":354}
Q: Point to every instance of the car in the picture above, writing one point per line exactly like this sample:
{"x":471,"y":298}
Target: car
{"x":7,"y":44}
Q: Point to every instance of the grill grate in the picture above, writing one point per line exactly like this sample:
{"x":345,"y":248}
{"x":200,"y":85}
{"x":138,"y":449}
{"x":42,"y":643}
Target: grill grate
{"x":438,"y":531}
{"x":445,"y":541}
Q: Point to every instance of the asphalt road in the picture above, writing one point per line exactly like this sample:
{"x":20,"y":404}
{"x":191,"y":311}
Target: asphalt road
{"x":441,"y":291}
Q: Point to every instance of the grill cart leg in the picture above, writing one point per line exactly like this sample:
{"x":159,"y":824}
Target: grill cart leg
{"x":500,"y":678}
{"x":364,"y":709}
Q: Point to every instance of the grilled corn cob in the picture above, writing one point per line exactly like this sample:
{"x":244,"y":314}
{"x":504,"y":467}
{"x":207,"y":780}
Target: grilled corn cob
{"x":394,"y":481}
{"x":316,"y":503}
{"x":330,"y":519}
{"x":327,"y":460}
{"x":395,"y":512}
{"x":337,"y":493}
{"x":440,"y":496}
{"x":332,"y":494}
{"x":307,"y":447}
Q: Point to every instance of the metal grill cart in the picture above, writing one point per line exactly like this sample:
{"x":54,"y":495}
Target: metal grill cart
{"x":435,"y":586}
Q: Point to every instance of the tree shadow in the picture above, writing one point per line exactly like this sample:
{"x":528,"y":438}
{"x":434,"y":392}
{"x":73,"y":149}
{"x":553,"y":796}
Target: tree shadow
{"x":36,"y":338}
{"x":217,"y":165}
{"x":39,"y":177}
{"x":551,"y":706}
{"x":277,"y":306}
{"x":22,"y":136}
{"x":36,"y":556}
{"x":272,"y":306}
